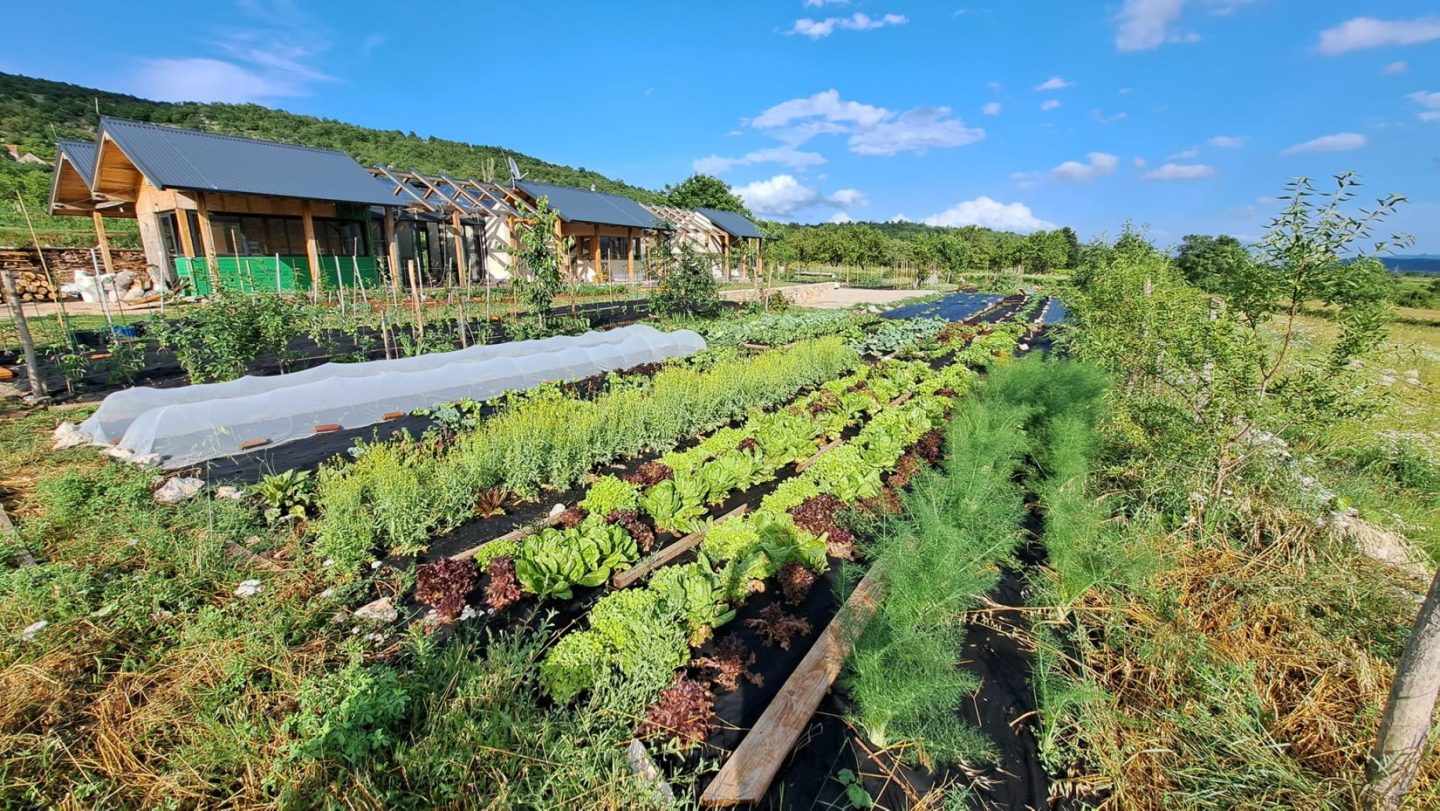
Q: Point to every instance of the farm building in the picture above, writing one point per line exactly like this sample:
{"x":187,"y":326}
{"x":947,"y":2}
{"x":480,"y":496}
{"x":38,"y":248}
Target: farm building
{"x":244,"y":213}
{"x":256,"y":215}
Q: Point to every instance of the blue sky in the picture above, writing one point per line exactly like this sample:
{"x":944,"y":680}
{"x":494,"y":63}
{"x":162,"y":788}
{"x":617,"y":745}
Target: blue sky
{"x":1183,"y":115}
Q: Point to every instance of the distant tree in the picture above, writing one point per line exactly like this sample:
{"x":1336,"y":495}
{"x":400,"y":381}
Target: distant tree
{"x":704,"y":191}
{"x":1072,"y":246}
{"x":538,"y":258}
{"x":686,"y":279}
{"x":1208,"y":261}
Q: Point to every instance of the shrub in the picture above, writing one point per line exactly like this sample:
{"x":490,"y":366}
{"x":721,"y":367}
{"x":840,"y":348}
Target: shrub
{"x":347,"y":715}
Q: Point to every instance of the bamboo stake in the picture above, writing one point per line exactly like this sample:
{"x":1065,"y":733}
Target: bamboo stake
{"x":279,"y":290}
{"x":17,"y":314}
{"x":50,"y":277}
{"x":104,"y":304}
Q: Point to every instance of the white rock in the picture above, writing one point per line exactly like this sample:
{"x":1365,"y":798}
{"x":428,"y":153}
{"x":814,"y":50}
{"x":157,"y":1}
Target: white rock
{"x":178,"y":489}
{"x":69,"y":435}
{"x":248,"y":588}
{"x":229,"y":491}
{"x":32,"y":629}
{"x":146,"y":460}
{"x":556,"y":510}
{"x":378,"y":611}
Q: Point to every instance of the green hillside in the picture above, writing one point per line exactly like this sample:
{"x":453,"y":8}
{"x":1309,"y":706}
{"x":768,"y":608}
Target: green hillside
{"x":34,"y":112}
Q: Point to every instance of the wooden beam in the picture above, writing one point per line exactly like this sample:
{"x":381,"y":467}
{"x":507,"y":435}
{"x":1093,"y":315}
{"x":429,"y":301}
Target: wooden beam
{"x":634,"y":574}
{"x":207,"y":238}
{"x":752,"y":767}
{"x":392,"y":249}
{"x":104,"y":242}
{"x":595,"y":255}
{"x":182,"y":226}
{"x":725,"y":258}
{"x":629,"y":254}
{"x":461,"y":261}
{"x":312,"y":246}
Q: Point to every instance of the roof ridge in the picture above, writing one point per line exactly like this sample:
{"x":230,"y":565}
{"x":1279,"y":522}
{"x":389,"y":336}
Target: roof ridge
{"x":224,"y":135}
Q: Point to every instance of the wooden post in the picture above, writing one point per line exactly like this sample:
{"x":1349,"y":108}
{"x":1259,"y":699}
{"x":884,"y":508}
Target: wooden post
{"x":312,"y":247}
{"x":725,"y":258}
{"x":103,"y":241}
{"x":392,"y":247}
{"x":17,"y":314}
{"x":595,"y":255}
{"x":462,"y":264}
{"x":415,"y":299}
{"x":182,"y":226}
{"x":630,"y":255}
{"x":207,"y":238}
{"x":155,"y":254}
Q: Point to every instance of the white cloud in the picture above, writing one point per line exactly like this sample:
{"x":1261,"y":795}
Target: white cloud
{"x":1099,"y":116}
{"x":914,"y":131}
{"x":1368,"y":32}
{"x":1339,"y":142}
{"x":992,"y":108}
{"x":840,"y":217}
{"x":826,"y":104}
{"x":1049,"y":104}
{"x":990,"y":214}
{"x":1186,"y":154}
{"x":268,"y":53}
{"x":820,"y":3}
{"x":201,"y":79}
{"x":1125,"y":91}
{"x":1098,"y":164}
{"x":1396,"y":68}
{"x":995,"y":87}
{"x":1228,"y":141}
{"x":1053,"y":83}
{"x":781,"y":195}
{"x":1180,"y":171}
{"x":1144,"y":25}
{"x":783,"y":155}
{"x":859,"y":21}
{"x":1140,"y":163}
{"x":872,"y":130}
{"x":1429,"y":101}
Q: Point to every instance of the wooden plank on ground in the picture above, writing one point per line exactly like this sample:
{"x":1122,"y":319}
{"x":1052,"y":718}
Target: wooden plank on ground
{"x":513,"y":535}
{"x":752,"y":767}
{"x":637,"y":572}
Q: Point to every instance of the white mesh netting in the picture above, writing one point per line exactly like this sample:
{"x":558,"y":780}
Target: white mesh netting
{"x":191,"y":424}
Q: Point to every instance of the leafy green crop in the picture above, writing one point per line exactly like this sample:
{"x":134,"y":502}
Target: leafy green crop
{"x":552,"y":562}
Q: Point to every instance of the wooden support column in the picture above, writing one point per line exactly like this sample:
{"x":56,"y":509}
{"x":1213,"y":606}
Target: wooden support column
{"x":461,"y":261}
{"x":392,"y":248}
{"x":725,"y":258}
{"x":155,"y":254}
{"x":182,"y":225}
{"x":103,"y":241}
{"x":595,"y":255}
{"x":207,"y":238}
{"x":312,"y":246}
{"x":629,"y":254}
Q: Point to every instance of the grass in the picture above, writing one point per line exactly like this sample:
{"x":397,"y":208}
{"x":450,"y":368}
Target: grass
{"x":1387,"y":463}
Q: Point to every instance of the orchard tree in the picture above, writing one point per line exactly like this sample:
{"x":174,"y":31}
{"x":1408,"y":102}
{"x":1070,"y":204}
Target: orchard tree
{"x":704,"y":191}
{"x":537,"y":258}
{"x":1209,"y":262}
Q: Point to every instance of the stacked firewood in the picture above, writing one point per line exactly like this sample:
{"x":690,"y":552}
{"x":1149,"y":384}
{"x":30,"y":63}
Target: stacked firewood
{"x":33,"y":286}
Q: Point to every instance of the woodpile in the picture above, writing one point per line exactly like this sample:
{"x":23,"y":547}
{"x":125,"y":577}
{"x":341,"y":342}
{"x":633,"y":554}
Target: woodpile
{"x":33,"y":286}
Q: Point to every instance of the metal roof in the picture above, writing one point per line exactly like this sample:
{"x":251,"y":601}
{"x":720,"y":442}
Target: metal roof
{"x":579,"y":205}
{"x":736,"y":225}
{"x":81,"y":155}
{"x":174,"y":158}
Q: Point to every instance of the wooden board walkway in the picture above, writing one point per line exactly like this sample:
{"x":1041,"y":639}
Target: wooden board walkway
{"x":752,"y":767}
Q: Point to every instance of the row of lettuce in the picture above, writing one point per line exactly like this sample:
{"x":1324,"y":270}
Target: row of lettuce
{"x":394,"y":497}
